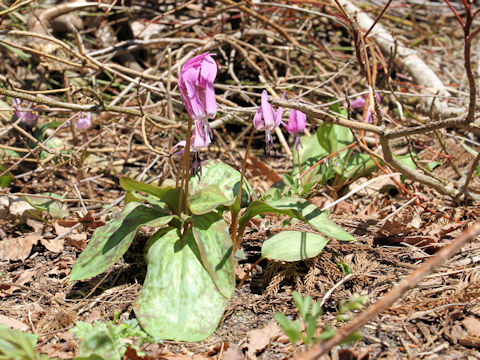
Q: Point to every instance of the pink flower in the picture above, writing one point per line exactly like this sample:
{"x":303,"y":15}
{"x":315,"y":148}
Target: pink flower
{"x":25,"y":114}
{"x":266,"y":119}
{"x":196,"y":86}
{"x":84,"y":120}
{"x":360,"y":103}
{"x":296,"y":124}
{"x":200,"y":138}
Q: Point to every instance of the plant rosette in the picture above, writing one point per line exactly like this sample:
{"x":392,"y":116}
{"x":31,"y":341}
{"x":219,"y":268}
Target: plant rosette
{"x":190,"y":260}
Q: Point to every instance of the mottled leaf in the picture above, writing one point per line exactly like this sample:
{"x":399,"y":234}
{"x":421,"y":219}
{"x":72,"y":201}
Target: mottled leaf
{"x":109,"y":242}
{"x":168,"y":195}
{"x":293,"y":246}
{"x":207,"y":199}
{"x":226,"y":177}
{"x":214,"y":243}
{"x":300,"y":209}
{"x":178,"y":300}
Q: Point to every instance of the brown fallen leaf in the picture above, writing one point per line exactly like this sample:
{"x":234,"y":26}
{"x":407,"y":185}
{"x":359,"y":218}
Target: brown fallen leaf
{"x":18,"y":248}
{"x":131,"y":354}
{"x":259,"y":168}
{"x":53,"y":245}
{"x":259,"y":339}
{"x":78,"y":241}
{"x":233,"y":353}
{"x":472,"y":325}
{"x":86,"y":220}
{"x":22,"y":279}
{"x":13,"y":323}
{"x":470,"y":341}
{"x":63,"y":348}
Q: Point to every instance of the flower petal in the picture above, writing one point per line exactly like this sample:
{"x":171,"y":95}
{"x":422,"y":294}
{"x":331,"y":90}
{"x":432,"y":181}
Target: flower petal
{"x":268,"y":112}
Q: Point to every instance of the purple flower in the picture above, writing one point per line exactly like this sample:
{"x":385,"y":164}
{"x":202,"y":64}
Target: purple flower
{"x":84,"y":120}
{"x":296,"y":124}
{"x":266,"y":119}
{"x":25,"y":114}
{"x":360,"y":103}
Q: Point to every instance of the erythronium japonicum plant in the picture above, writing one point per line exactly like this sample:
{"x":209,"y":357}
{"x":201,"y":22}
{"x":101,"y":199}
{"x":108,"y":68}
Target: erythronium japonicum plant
{"x":190,"y":257}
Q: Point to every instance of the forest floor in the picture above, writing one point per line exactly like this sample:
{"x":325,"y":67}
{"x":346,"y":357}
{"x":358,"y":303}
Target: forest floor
{"x":438,"y":318}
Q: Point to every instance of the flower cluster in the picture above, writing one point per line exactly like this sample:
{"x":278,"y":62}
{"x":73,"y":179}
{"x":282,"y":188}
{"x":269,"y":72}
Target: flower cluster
{"x":266,"y":119}
{"x":198,"y":94}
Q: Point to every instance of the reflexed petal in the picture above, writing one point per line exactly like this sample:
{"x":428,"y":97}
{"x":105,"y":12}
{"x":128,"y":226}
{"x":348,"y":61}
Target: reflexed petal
{"x":268,"y":112}
{"x":208,"y":71}
{"x":278,"y":117}
{"x":257,"y":120}
{"x":210,"y":101}
{"x":177,"y":145}
{"x":201,"y":136}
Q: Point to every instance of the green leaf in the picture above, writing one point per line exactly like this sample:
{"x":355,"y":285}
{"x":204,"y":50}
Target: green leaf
{"x":53,"y":207}
{"x":357,"y":165}
{"x":326,"y":334}
{"x":302,"y":303}
{"x":168,"y":195}
{"x":105,"y":340}
{"x":298,"y":208}
{"x":407,"y":160}
{"x":226,"y":177}
{"x":111,"y":241}
{"x":310,"y":153}
{"x":432,"y":165}
{"x":346,"y":270}
{"x":137,"y":197}
{"x":214,"y":244}
{"x":208,"y":199}
{"x":291,"y":328}
{"x":6,"y":179}
{"x":14,"y":344}
{"x":311,"y":325}
{"x":293,"y":246}
{"x":333,"y":137}
{"x":96,"y":341}
{"x":178,"y":300}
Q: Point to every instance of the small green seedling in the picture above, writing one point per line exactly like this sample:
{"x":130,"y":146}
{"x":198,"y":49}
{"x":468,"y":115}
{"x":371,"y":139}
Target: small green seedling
{"x":309,"y":312}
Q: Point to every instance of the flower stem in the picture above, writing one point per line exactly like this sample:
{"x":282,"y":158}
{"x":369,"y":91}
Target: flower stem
{"x":236,"y":213}
{"x":299,"y":169}
{"x":186,"y":170}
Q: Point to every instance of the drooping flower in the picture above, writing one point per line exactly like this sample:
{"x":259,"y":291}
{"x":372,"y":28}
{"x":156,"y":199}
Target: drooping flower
{"x":24,"y":112}
{"x":199,"y":139}
{"x":266,"y":119}
{"x":84,"y":120}
{"x":296,"y":125}
{"x":196,"y":87}
{"x":360,"y":103}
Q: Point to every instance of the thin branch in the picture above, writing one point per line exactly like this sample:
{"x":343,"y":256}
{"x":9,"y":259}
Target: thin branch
{"x":394,"y":294}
